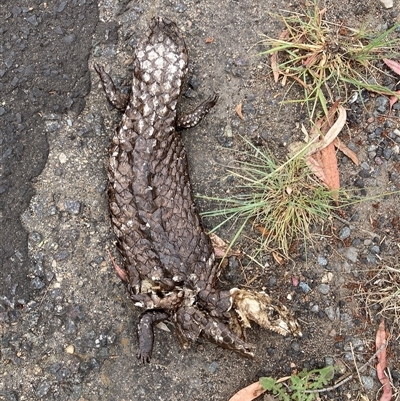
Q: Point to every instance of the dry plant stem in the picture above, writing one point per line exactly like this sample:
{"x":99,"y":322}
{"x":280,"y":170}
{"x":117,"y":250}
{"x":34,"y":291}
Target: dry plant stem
{"x":350,"y":377}
{"x":355,"y":362}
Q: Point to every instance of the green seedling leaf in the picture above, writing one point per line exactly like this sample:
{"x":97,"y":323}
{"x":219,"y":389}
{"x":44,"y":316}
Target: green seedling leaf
{"x":268,"y":383}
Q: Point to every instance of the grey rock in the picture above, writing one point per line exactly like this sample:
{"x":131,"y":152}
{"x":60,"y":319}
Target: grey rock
{"x":347,"y":319}
{"x":351,"y":254}
{"x":304,"y":286}
{"x":42,"y":389}
{"x":359,"y":183}
{"x":33,"y":20}
{"x":37,"y":284}
{"x":344,"y":233}
{"x":372,"y":259}
{"x":375,"y":249}
{"x":70,"y":326}
{"x":368,"y":382}
{"x":295,"y":346}
{"x":324,"y":289}
{"x":72,"y":207}
{"x":69,"y":39}
{"x":322,"y":260}
{"x":35,"y":237}
{"x":329,"y":361}
{"x":54,"y":367}
{"x":387,"y":153}
{"x":381,"y":103}
{"x":331,"y":312}
{"x":61,"y":7}
{"x":76,"y":391}
{"x":181,"y":8}
{"x":213,"y":367}
{"x":61,"y":255}
{"x":364,"y":174}
{"x":63,"y":374}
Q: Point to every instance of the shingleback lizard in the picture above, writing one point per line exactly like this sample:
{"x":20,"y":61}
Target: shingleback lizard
{"x":168,"y":258}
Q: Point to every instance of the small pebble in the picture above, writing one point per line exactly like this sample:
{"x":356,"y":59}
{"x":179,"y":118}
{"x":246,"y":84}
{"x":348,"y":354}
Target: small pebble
{"x":327,"y":278}
{"x":331,"y":312}
{"x":295,"y":346}
{"x":324,"y":289}
{"x":351,"y":254}
{"x":42,"y":389}
{"x":72,"y":206}
{"x":368,"y":382}
{"x":344,"y":233}
{"x":37,"y":284}
{"x":62,"y":158}
{"x":213,"y":367}
{"x":329,"y":361}
{"x":375,"y":249}
{"x":322,"y":261}
{"x":70,"y":349}
{"x":304,"y":286}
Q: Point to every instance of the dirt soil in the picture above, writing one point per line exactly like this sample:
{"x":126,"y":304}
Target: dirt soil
{"x":73,"y":336}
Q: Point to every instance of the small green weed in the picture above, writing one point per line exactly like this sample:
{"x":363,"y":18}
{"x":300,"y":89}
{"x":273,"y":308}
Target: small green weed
{"x":299,"y":387}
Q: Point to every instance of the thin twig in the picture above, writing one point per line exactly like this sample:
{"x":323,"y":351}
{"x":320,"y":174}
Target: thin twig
{"x":348,"y":378}
{"x":355,"y":362}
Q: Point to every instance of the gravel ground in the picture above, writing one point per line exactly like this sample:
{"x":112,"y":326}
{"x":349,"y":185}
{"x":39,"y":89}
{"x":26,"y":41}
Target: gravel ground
{"x":67,"y":325}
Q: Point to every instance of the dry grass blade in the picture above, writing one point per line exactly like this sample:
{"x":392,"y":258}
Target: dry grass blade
{"x":384,"y":291}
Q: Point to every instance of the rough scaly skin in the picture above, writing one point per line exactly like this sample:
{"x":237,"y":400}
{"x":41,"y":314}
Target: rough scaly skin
{"x":168,"y":258}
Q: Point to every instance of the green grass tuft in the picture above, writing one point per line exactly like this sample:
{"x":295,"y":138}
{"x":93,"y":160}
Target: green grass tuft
{"x":320,"y":55}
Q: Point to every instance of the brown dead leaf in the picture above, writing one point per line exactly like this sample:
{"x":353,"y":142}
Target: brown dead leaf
{"x":328,"y":130}
{"x":381,"y":341}
{"x":311,"y":60}
{"x":274,"y":65}
{"x":274,"y":57}
{"x":392,"y":100}
{"x":221,"y":248}
{"x":209,"y":40}
{"x":278,"y":258}
{"x":238,"y":110}
{"x":248,"y":393}
{"x":393,"y":65}
{"x":321,"y":154}
{"x":348,"y":152}
{"x":121,"y":272}
{"x":316,"y":168}
{"x":262,"y":230}
{"x":326,"y":159}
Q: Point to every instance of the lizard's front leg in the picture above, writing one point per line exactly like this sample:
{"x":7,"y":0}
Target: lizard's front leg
{"x":118,"y":99}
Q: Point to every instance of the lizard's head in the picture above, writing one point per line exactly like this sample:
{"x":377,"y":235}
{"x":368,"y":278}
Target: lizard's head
{"x":258,"y":307}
